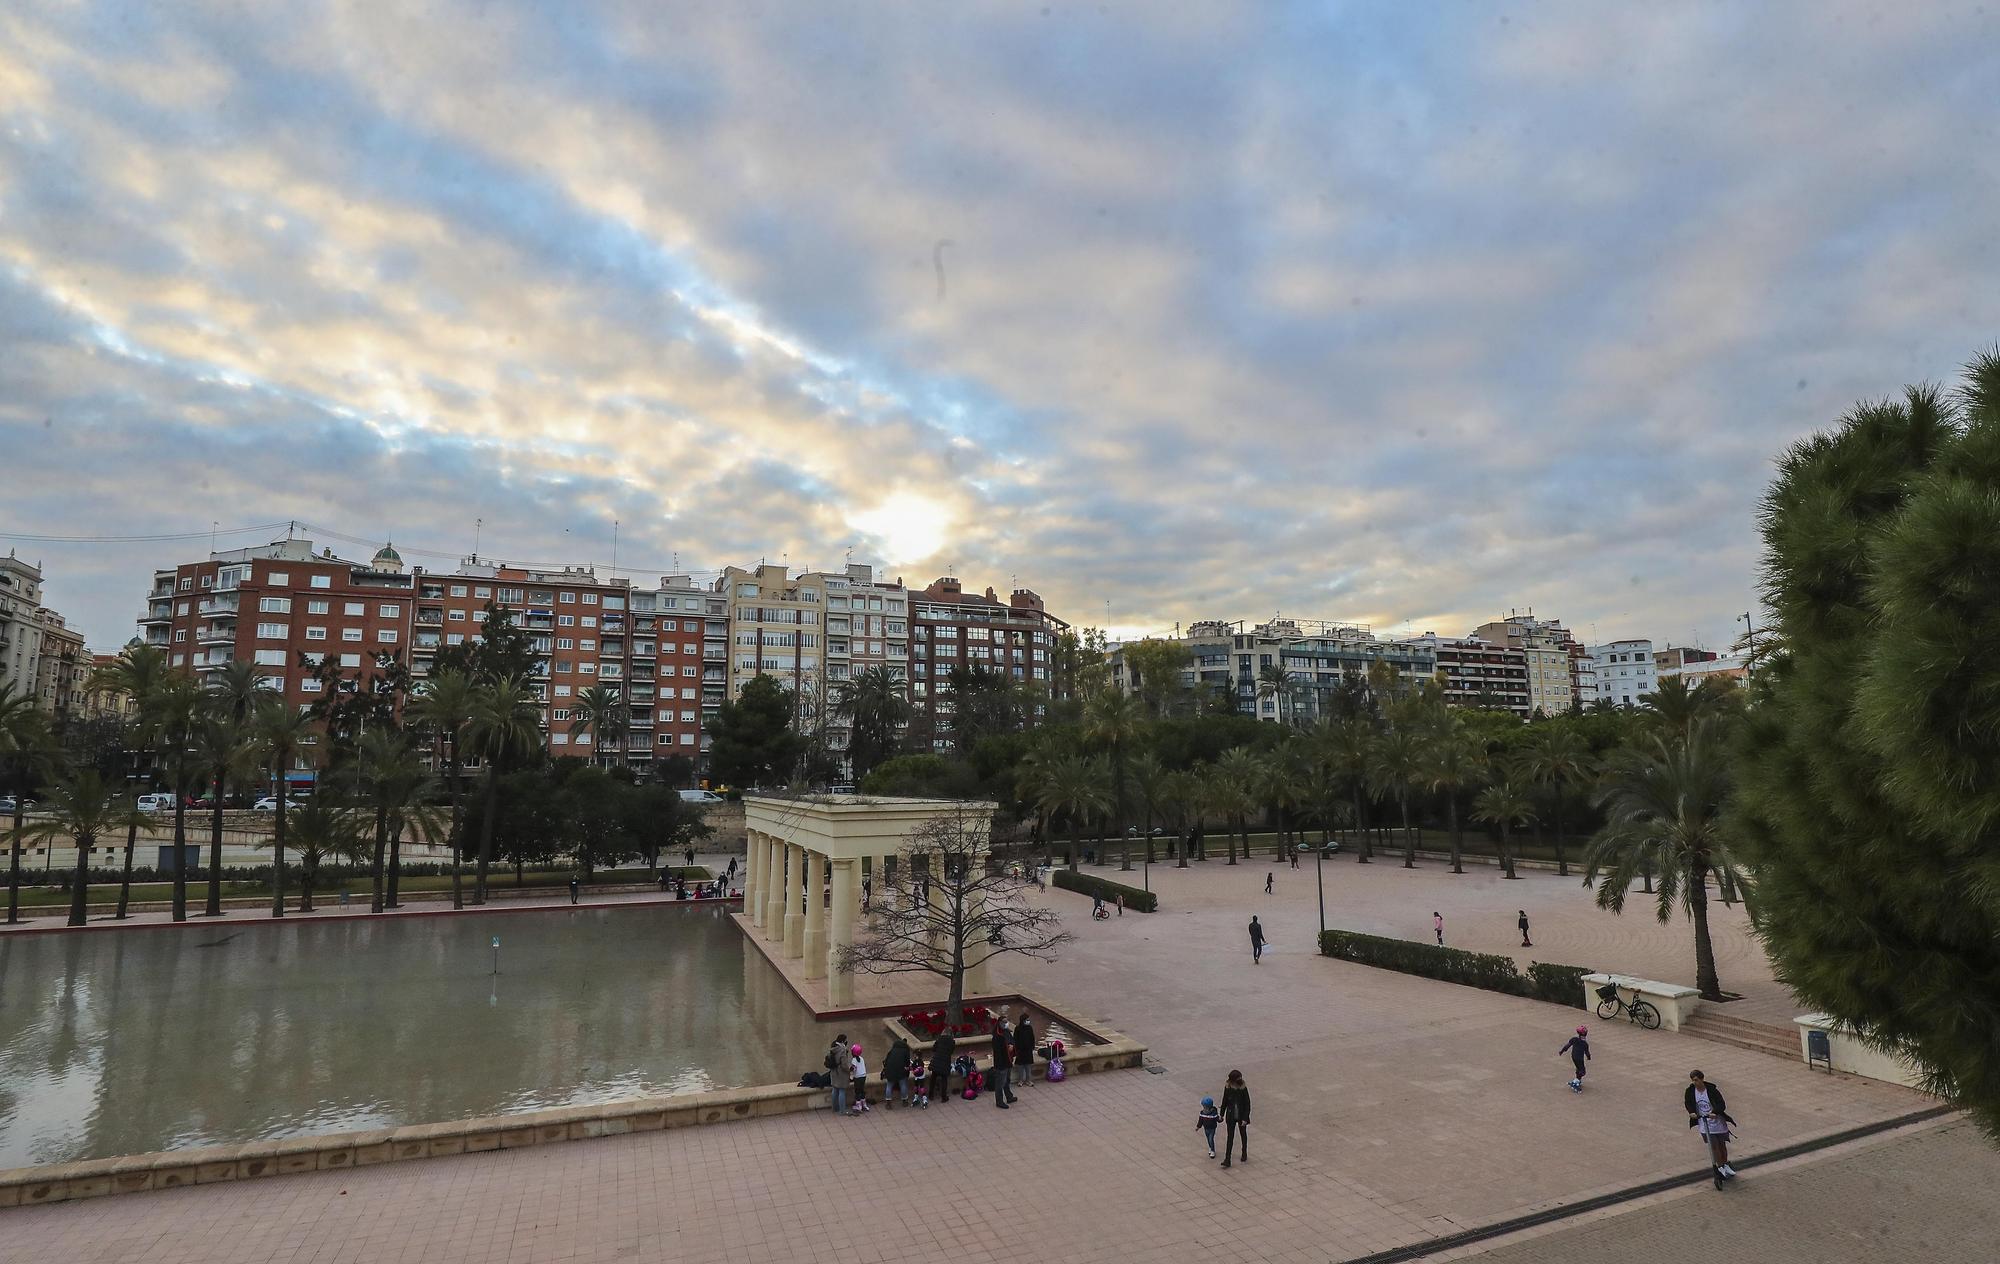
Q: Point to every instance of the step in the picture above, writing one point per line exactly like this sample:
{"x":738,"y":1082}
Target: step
{"x":1742,"y":1034}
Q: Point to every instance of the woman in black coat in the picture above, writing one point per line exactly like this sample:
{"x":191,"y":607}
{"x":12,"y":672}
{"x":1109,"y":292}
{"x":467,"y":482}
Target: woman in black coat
{"x":1708,"y":1112}
{"x":1003,"y":1057}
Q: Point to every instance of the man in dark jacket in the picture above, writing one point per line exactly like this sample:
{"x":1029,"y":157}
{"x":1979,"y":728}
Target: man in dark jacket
{"x":1003,"y":1050}
{"x":1256,"y":943}
{"x":1236,"y":1115}
{"x":1024,"y":1051}
{"x":942,"y":1051}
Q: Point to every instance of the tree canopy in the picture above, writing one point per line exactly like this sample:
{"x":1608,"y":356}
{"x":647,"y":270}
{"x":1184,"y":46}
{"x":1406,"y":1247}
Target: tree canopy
{"x":753,"y":742}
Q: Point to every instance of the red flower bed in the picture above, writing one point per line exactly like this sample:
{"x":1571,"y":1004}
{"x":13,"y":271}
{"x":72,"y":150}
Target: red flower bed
{"x":975,"y":1020}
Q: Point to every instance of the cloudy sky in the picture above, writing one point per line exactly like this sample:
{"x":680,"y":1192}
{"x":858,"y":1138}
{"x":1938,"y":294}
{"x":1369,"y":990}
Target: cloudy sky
{"x":1402,"y":314}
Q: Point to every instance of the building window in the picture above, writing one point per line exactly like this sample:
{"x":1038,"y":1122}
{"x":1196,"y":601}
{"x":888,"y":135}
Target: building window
{"x":687,"y":739}
{"x":590,"y":621}
{"x":273,"y":631}
{"x":589,"y":643}
{"x":390,"y":612}
{"x":565,"y":643}
{"x":687,"y":671}
{"x":318,"y":607}
{"x":315,"y":634}
{"x":454,"y":638}
{"x":565,"y":620}
{"x":558,"y":739}
{"x":274,"y":605}
{"x":355,"y":609}
{"x":590,"y":599}
{"x":458,"y":590}
{"x":309,"y":685}
{"x":667,"y":625}
{"x":350,"y":634}
{"x":386,"y":636}
{"x":587,"y":669}
{"x":270,"y":658}
{"x":350,"y":660}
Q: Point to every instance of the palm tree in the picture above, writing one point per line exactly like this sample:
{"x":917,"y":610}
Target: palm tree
{"x":505,"y":725}
{"x":1031,"y":775}
{"x":396,"y":782}
{"x":1348,"y":747}
{"x":1182,"y":796}
{"x":139,"y":673}
{"x":175,"y":713}
{"x":1280,"y":785}
{"x":875,"y":706}
{"x":26,"y":744}
{"x":1676,"y":708}
{"x":1074,"y":787}
{"x":1399,"y":764}
{"x":1273,"y":681}
{"x":1505,"y":803}
{"x":225,"y":748}
{"x":1149,"y":780}
{"x":1663,"y":810}
{"x":1558,"y":759}
{"x":324,"y":828}
{"x":446,"y":707}
{"x":84,"y":808}
{"x":1454,"y":761}
{"x":1114,"y":719}
{"x":1236,"y":779}
{"x":280,"y":733}
{"x":602,"y":712}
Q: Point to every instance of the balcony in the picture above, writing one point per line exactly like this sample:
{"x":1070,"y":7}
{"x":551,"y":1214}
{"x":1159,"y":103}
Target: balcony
{"x":209,"y":634}
{"x":216,"y":609}
{"x":642,"y":720}
{"x":162,"y":613}
{"x":430,"y":618}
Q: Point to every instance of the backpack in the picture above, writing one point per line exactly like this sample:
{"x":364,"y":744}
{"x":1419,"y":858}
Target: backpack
{"x":828,"y":1063}
{"x":1056,"y":1073}
{"x":974,"y":1081}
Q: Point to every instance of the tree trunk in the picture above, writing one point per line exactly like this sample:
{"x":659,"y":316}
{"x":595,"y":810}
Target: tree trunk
{"x":1506,"y":853}
{"x":381,"y":846}
{"x":1075,"y":842}
{"x":1457,"y":839}
{"x":1237,"y":820}
{"x":278,"y":849}
{"x":1146,"y":824}
{"x":214,"y":908}
{"x":395,"y":862}
{"x":14,"y":858}
{"x":180,"y":854}
{"x":1284,"y":839}
{"x":79,"y":893}
{"x":1118,"y":805}
{"x":306,"y":872}
{"x":1409,"y":839}
{"x":457,"y":836}
{"x":1646,"y":871}
{"x":1705,"y":980}
{"x":125,"y":880}
{"x":486,"y":834}
{"x":1361,"y":852}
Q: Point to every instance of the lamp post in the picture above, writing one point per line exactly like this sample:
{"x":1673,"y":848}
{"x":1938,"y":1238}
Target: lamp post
{"x":1319,"y":879}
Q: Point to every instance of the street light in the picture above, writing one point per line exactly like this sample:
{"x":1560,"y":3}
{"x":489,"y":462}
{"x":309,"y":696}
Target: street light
{"x":1319,"y":879}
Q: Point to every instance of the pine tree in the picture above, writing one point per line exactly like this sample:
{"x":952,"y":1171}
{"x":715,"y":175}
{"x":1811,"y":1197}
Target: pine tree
{"x":1869,"y":772}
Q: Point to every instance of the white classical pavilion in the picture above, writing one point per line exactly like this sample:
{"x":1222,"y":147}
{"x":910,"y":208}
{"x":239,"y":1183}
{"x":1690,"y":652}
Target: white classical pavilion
{"x":794,"y":844}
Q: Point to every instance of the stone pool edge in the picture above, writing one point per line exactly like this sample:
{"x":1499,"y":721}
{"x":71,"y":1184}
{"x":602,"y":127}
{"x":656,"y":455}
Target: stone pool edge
{"x":324,"y":1152}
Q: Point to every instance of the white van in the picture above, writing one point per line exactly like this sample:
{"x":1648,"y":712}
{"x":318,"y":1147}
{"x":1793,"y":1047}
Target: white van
{"x":156,"y":803}
{"x":700,"y":796}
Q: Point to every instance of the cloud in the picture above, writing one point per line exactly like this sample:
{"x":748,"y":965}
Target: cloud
{"x":1372,"y":316}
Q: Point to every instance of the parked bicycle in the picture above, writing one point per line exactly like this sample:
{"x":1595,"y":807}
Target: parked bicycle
{"x":1610,"y":1005}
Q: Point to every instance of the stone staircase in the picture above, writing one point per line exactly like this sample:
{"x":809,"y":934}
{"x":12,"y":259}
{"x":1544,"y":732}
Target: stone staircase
{"x":1710,"y":1024}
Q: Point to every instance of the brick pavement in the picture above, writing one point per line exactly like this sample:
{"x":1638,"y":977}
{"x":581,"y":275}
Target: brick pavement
{"x":1389,"y":1110}
{"x":1926,"y":1194}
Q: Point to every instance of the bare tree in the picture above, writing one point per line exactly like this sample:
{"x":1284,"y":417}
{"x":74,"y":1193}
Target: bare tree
{"x":942,"y":912}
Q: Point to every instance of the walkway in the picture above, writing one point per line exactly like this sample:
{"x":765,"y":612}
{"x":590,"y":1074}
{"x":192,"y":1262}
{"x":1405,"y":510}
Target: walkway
{"x":1389,"y":1110}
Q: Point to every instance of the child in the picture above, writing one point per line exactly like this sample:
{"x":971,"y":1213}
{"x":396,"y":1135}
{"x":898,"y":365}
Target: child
{"x":1207,"y":1120}
{"x":919,"y":1083}
{"x":861,"y":1106}
{"x":1578,"y":1050}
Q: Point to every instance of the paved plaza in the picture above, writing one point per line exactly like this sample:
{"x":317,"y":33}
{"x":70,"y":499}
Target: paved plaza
{"x":1388,"y":1110}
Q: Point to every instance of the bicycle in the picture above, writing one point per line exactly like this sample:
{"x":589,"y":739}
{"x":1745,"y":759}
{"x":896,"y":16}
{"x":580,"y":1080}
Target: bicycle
{"x":1609,"y":1004}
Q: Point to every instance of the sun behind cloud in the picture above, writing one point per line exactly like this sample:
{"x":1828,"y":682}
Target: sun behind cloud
{"x":911,"y":527}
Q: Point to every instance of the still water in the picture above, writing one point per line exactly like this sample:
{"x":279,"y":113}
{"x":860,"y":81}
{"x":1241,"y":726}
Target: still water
{"x":127,"y":1042}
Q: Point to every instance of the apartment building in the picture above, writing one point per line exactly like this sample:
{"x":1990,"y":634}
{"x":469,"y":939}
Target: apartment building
{"x":692,"y":624}
{"x":1476,"y":673}
{"x":285,"y":607}
{"x":1318,"y":657}
{"x":63,"y":669}
{"x":950,"y":628}
{"x":1551,"y":656}
{"x":1625,"y":671}
{"x":1696,"y":666}
{"x":20,"y":623}
{"x":1673,"y":658}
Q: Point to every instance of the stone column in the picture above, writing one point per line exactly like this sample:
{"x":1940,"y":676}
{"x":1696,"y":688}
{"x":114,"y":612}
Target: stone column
{"x":846,"y":904}
{"x":774,"y":890}
{"x":813,"y":943}
{"x":753,"y":877}
{"x":795,"y":918}
{"x":978,"y":979}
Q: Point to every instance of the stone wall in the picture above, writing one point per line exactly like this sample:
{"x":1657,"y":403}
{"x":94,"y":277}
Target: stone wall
{"x":726,"y":819}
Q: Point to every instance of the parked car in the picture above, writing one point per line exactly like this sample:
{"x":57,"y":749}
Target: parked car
{"x":700,"y":796}
{"x":268,"y":803}
{"x":156,"y":803}
{"x":7,"y":805}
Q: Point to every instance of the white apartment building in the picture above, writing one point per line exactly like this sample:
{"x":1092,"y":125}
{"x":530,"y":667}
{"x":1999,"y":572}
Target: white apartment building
{"x":1625,"y":671}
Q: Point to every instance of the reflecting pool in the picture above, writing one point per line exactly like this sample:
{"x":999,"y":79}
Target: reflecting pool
{"x":125,"y":1042}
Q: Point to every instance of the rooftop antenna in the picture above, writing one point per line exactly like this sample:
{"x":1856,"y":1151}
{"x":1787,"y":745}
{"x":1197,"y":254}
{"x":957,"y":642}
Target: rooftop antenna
{"x":478,"y":525}
{"x":212,"y":524}
{"x":614,"y":549}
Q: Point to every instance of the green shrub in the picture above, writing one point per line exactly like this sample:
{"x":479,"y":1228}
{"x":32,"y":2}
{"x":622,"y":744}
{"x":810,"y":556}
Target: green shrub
{"x":1562,"y":984}
{"x":1558,"y":983}
{"x":1106,"y":890}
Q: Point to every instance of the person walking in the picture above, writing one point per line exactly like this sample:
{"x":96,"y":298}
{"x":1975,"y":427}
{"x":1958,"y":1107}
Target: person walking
{"x":1578,"y":1050}
{"x":942,"y":1050}
{"x":1437,"y":924}
{"x":574,"y":888}
{"x":896,"y":1073}
{"x":840,"y":1072}
{"x":1522,"y":922}
{"x":1236,"y":1115}
{"x":1707,"y":1112}
{"x":860,"y":1069}
{"x":1121,"y":904}
{"x":1205,"y":1121}
{"x":1267,"y":884}
{"x":1295,"y":857}
{"x":1003,"y":1050}
{"x":1024,"y":1051}
{"x":1256,"y":942}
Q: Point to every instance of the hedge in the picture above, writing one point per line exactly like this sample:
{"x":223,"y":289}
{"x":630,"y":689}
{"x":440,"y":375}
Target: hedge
{"x":1544,"y":981}
{"x":1107,"y":890}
